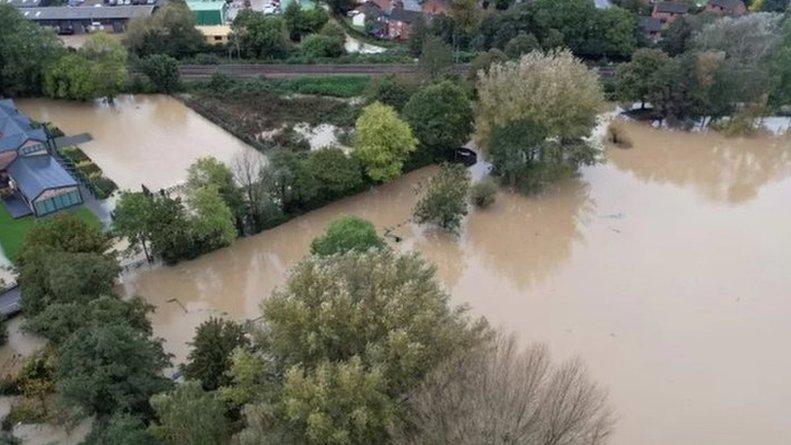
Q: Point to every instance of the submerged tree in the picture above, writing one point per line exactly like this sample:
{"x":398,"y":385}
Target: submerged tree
{"x":444,"y":201}
{"x":382,"y":141}
{"x":346,"y":234}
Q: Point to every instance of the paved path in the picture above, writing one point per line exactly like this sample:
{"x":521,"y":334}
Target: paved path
{"x":283,"y":70}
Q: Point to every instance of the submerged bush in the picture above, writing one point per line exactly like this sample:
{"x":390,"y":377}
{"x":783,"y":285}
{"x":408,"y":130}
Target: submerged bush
{"x":484,"y":193}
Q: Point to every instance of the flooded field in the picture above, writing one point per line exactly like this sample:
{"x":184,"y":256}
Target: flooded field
{"x":139,"y":139}
{"x":666,"y":268}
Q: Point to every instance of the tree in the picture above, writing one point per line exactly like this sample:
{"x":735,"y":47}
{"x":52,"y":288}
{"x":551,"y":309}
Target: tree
{"x":64,"y":233}
{"x":132,"y":220}
{"x":500,"y":395}
{"x":391,"y":90}
{"x":209,"y":171}
{"x":210,"y":357}
{"x":348,"y":233}
{"x":337,"y":174}
{"x":441,"y":117}
{"x":70,"y":78}
{"x":483,"y":61}
{"x":260,"y":37}
{"x":382,"y":142}
{"x":108,"y":64}
{"x":358,"y":330}
{"x":418,"y":34}
{"x":614,"y":33}
{"x":781,"y":69}
{"x":484,"y":192}
{"x":106,"y":369}
{"x":317,"y":45}
{"x":521,"y":44}
{"x":638,"y":79}
{"x":573,"y":19}
{"x":58,"y":321}
{"x":188,"y":415}
{"x":516,"y":146}
{"x":436,"y":58}
{"x":300,"y":23}
{"x":170,"y":229}
{"x":212,"y":224}
{"x":445,"y":200}
{"x":170,"y":31}
{"x":121,"y":429}
{"x":289,"y":181}
{"x":27,"y":51}
{"x":555,"y":91}
{"x":163,"y":71}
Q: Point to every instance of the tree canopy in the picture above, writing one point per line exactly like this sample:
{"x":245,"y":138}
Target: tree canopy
{"x":441,"y":117}
{"x":382,"y":142}
{"x":348,"y":233}
{"x":444,"y":202}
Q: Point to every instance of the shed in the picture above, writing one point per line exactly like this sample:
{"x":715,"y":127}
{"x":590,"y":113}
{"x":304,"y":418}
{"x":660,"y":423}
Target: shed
{"x":208,"y":13}
{"x":44,"y":184}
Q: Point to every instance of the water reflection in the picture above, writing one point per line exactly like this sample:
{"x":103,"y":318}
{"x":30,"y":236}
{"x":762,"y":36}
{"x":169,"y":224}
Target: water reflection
{"x":720,"y":169}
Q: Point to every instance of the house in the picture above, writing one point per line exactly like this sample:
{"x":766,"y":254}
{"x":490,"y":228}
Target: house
{"x":216,"y":34}
{"x":734,"y":8}
{"x":652,"y":28}
{"x":384,"y":5}
{"x":435,"y":7}
{"x":84,"y":19}
{"x":399,"y":23}
{"x":667,"y":12}
{"x":367,"y":12}
{"x":209,"y":12}
{"x":32,"y":181}
{"x":22,"y":3}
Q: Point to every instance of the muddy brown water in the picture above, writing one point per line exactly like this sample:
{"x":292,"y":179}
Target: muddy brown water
{"x":142,"y":139}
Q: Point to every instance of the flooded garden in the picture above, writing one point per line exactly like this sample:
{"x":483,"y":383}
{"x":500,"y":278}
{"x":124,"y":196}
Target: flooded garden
{"x":664,"y":268}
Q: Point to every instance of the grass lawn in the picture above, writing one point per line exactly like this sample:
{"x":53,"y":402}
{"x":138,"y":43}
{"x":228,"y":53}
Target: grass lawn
{"x":12,"y":231}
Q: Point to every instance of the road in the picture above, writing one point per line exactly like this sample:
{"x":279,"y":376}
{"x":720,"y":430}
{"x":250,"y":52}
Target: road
{"x":282,"y":70}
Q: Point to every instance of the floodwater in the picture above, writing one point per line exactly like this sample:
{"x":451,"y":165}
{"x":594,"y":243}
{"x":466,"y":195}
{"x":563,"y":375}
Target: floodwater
{"x":666,"y":268}
{"x":141,"y":139}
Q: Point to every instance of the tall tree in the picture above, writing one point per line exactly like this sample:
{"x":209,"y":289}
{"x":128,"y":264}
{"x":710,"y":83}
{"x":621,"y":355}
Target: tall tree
{"x":382,"y":142}
{"x":639,"y":78}
{"x":436,"y":58}
{"x":163,"y":71}
{"x":209,"y":171}
{"x":209,"y":358}
{"x":261,"y":37}
{"x":170,"y":30}
{"x":444,"y":202}
{"x":188,"y":415}
{"x":441,"y":118}
{"x":212,"y":223}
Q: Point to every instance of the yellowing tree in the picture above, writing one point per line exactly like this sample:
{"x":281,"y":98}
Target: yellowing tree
{"x":382,"y":142}
{"x":555,"y":91}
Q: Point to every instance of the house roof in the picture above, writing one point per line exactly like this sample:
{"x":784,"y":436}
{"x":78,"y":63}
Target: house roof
{"x":87,"y":12}
{"x":671,"y":7}
{"x":402,"y":15}
{"x":728,"y":5}
{"x":16,"y":128}
{"x":21,"y":3}
{"x":206,"y":5}
{"x":650,"y":24}
{"x":411,"y":5}
{"x":37,"y":173}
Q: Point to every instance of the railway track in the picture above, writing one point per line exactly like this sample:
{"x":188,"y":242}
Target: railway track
{"x":283,"y":70}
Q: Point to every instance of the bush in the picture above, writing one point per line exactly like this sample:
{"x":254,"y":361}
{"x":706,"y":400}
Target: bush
{"x":392,"y":90}
{"x":338,"y":174}
{"x":616,"y":134}
{"x":24,"y":411}
{"x":163,"y":71}
{"x":445,"y":200}
{"x":317,"y":45}
{"x":484,"y":193}
{"x":345,"y":234}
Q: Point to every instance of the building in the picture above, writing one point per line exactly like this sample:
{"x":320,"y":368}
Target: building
{"x":734,"y":8}
{"x":367,"y":12}
{"x":209,"y":13}
{"x":652,"y":28}
{"x":22,"y":3}
{"x":215,"y":35}
{"x":84,"y":19}
{"x":435,"y":7}
{"x":399,"y":23}
{"x":32,"y":181}
{"x":667,"y":12}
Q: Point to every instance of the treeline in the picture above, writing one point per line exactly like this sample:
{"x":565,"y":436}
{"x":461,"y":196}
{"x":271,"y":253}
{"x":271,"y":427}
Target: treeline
{"x":706,"y":69}
{"x":360,"y":346}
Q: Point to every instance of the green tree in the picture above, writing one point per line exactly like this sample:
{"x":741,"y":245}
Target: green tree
{"x":121,"y":429}
{"x":210,"y":356}
{"x":170,"y":30}
{"x":317,"y":45}
{"x":169,"y":228}
{"x":444,"y":202}
{"x":27,"y":51}
{"x":106,"y":369}
{"x":484,"y":192}
{"x":638,"y":79}
{"x":337,"y":174}
{"x":382,"y":142}
{"x":521,"y":44}
{"x":299,"y":23}
{"x":260,"y":37}
{"x":441,"y":118}
{"x":573,"y":19}
{"x":614,"y":34}
{"x":345,"y":234}
{"x":132,"y":220}
{"x":391,"y":90}
{"x":163,"y":70}
{"x":781,"y":69}
{"x":212,"y":223}
{"x":188,"y":415}
{"x":70,"y":77}
{"x":436,"y":58}
{"x":418,"y":34}
{"x":64,"y":233}
{"x":209,"y":171}
{"x":289,"y":180}
{"x":108,"y":64}
{"x":483,"y":61}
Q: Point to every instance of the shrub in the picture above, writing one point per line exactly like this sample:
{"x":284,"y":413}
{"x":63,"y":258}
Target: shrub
{"x":338,"y":174}
{"x":484,"y":193}
{"x":317,"y":45}
{"x":392,"y":90}
{"x":445,"y":200}
{"x":616,"y":134}
{"x":24,"y":411}
{"x":346,"y":234}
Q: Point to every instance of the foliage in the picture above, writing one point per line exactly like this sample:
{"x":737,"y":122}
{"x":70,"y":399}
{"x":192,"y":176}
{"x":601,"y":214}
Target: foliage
{"x":188,"y":415}
{"x":131,"y":220}
{"x":207,"y":172}
{"x":169,"y":31}
{"x":65,"y":233}
{"x":59,"y":320}
{"x":614,"y":33}
{"x":521,"y":44}
{"x":98,"y":69}
{"x":259,"y":36}
{"x":337,"y":174}
{"x":499,"y":394}
{"x":639,"y":79}
{"x":163,"y":71}
{"x":436,"y":58}
{"x":382,"y":142}
{"x":348,"y":233}
{"x":111,"y":368}
{"x":441,"y":117}
{"x":483,"y":61}
{"x":121,"y":429}
{"x":781,"y":69}
{"x":70,"y":78}
{"x":288,"y":180}
{"x":318,"y":45}
{"x":299,"y":23}
{"x":212,"y":222}
{"x":392,"y":90}
{"x":555,"y":91}
{"x":169,"y":229}
{"x":444,"y":201}
{"x":359,"y":330}
{"x":484,"y":192}
{"x":26,"y":52}
{"x":210,"y":357}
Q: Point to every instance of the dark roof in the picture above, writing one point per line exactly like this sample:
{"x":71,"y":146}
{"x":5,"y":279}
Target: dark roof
{"x":16,"y":128}
{"x":369,"y":9}
{"x":672,"y":7}
{"x":650,"y":24}
{"x":88,"y":12}
{"x":38,"y":173}
{"x":402,"y":15}
{"x":728,"y":5}
{"x":21,"y":3}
